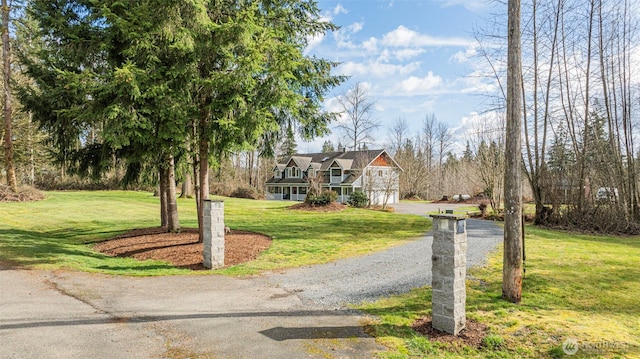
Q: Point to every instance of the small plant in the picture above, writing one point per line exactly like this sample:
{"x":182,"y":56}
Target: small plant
{"x":358,"y":199}
{"x":492,"y":342}
{"x":483,"y":206}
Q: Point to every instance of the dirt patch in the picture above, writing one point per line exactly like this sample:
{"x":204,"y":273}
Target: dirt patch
{"x":471,"y":335}
{"x":182,"y":249}
{"x":331,"y":207}
{"x":24,"y":194}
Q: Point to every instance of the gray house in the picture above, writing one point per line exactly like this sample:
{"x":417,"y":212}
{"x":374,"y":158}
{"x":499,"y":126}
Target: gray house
{"x":373,"y":172}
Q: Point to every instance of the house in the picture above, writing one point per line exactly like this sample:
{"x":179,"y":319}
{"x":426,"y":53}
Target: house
{"x":373,"y":172}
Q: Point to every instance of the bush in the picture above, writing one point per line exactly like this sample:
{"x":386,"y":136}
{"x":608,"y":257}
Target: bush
{"x":483,"y":207}
{"x":358,"y":199}
{"x":324,"y":198}
{"x":245,"y":192}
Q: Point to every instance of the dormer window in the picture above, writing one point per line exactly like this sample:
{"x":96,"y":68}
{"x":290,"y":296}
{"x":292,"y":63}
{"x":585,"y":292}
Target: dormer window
{"x":277,"y":174}
{"x":294,"y":172}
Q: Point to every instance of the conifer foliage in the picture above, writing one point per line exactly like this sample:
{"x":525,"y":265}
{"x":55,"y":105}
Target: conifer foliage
{"x":170,"y":81}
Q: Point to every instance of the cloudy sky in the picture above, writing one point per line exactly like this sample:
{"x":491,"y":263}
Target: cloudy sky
{"x":415,"y":57}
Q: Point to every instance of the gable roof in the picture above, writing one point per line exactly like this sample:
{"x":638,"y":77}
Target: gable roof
{"x":348,"y":160}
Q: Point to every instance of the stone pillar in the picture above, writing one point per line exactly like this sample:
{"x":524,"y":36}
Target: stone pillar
{"x":449,"y":269}
{"x":213,"y":234}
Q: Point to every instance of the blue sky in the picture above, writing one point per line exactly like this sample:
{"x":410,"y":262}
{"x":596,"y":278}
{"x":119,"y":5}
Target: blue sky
{"x":415,"y":57}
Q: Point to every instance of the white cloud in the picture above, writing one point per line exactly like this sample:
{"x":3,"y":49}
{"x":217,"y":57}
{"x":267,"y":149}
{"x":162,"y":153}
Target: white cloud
{"x":355,"y":27}
{"x":339,"y":9}
{"x":376,"y":69}
{"x":465,"y":56}
{"x":476,"y":126}
{"x":417,"y":86}
{"x":405,"y":54}
{"x":471,"y":5}
{"x":313,"y":42}
{"x":385,"y":56}
{"x":343,"y":36}
{"x":371,"y":45}
{"x":405,"y":37}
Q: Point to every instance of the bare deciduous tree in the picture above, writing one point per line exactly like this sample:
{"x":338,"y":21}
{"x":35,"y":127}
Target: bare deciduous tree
{"x":357,"y":107}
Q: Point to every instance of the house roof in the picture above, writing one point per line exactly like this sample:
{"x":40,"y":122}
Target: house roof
{"x":347,"y":160}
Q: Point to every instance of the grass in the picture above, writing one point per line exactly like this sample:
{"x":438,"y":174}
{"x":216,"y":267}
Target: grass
{"x":576,"y":286}
{"x":58,"y":232}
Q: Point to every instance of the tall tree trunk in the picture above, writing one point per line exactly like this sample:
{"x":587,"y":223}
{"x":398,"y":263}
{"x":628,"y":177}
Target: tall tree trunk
{"x":512,"y":262}
{"x":164,"y":221}
{"x":8,"y":121}
{"x":173,"y":221}
{"x":204,"y":173}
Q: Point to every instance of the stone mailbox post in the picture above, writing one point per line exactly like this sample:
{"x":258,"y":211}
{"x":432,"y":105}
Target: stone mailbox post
{"x":213,"y":223}
{"x":449,"y":269}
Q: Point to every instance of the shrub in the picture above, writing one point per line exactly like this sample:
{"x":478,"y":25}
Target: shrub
{"x":245,"y":192}
{"x":324,"y":198}
{"x":483,"y":206}
{"x":358,"y":199}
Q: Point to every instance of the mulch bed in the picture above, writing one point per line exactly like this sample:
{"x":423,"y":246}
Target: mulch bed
{"x":182,"y":249}
{"x":331,"y":207}
{"x":471,"y":335}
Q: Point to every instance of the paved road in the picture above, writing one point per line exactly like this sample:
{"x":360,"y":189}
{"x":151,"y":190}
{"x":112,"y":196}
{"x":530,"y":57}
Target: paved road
{"x":296,"y":314}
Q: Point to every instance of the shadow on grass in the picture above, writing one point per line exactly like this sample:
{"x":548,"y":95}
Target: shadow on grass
{"x":21,"y":248}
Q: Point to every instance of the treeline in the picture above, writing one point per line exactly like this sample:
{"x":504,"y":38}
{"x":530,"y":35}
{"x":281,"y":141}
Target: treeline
{"x":580,"y":109}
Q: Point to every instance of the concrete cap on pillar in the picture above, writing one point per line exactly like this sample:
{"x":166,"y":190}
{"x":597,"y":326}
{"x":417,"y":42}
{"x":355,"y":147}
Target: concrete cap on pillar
{"x":456,"y":217}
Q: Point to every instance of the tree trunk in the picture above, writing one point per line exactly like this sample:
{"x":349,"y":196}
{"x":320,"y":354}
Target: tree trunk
{"x":163,"y":197}
{"x":512,"y":262}
{"x":203,"y":175}
{"x":8,"y":121}
{"x":187,"y":188}
{"x":173,"y":221}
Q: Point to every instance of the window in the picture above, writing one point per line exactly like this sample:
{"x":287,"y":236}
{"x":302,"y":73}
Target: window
{"x":303,"y":190}
{"x":380,"y":173}
{"x":293,"y":172}
{"x":277,"y":174}
{"x":336,"y":172}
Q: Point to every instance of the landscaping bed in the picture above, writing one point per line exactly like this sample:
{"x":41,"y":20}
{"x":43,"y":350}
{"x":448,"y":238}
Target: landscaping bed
{"x":182,"y":249}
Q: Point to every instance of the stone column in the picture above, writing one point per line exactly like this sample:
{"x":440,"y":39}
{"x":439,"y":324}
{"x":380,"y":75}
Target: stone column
{"x":213,"y":234}
{"x":449,"y":269}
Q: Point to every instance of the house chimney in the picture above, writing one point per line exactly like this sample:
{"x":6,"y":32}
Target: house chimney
{"x":344,"y":149}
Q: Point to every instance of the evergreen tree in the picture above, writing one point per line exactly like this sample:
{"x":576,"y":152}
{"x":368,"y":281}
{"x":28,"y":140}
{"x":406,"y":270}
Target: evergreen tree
{"x":327,"y":146}
{"x":288,"y":147}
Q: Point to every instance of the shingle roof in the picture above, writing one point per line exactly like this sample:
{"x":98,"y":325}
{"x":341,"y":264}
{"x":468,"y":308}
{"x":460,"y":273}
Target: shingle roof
{"x":348,"y":160}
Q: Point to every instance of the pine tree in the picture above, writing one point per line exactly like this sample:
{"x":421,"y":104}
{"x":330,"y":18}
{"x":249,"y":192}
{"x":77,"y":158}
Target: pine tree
{"x":327,"y":146}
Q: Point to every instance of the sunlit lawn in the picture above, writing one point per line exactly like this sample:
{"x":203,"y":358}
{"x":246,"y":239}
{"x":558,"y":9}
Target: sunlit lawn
{"x":58,"y":232}
{"x":576,"y":286}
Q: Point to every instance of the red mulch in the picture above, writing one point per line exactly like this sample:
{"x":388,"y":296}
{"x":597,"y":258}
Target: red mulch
{"x":471,"y":335}
{"x":182,"y":249}
{"x":331,"y":207}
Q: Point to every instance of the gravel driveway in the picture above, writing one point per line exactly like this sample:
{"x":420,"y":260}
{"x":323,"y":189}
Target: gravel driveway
{"x":393,"y":271}
{"x":295,"y":314}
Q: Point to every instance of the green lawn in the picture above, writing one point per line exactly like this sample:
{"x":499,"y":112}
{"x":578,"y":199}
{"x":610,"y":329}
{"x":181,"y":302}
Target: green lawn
{"x":58,"y":232}
{"x":576,"y":286}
